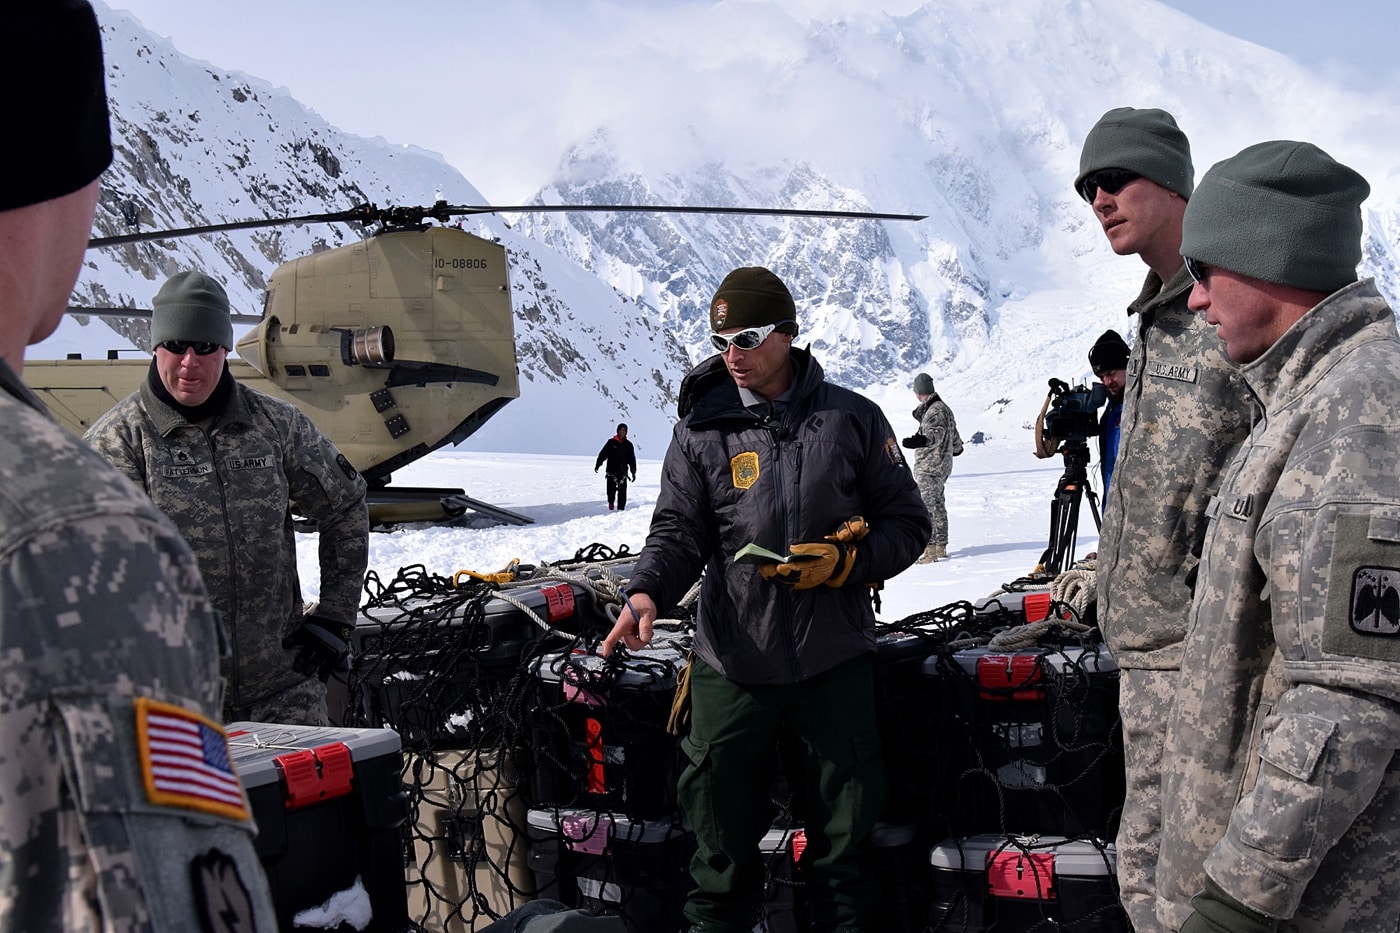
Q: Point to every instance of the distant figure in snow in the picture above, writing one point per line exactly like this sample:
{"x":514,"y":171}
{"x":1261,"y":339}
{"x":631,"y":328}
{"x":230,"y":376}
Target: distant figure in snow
{"x":937,"y":442}
{"x":621,"y":459}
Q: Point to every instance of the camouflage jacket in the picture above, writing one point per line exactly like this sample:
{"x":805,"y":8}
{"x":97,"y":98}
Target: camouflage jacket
{"x":228,"y":490}
{"x":940,"y":430}
{"x":1185,"y":409}
{"x":104,"y":624}
{"x":1287,"y":719}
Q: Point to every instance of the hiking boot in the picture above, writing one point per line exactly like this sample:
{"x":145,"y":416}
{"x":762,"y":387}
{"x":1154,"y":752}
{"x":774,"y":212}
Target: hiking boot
{"x":929,"y":555}
{"x":940,"y":552}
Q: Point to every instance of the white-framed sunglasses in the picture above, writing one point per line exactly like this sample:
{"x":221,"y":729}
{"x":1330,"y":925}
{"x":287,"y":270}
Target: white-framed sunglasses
{"x":747,"y":339}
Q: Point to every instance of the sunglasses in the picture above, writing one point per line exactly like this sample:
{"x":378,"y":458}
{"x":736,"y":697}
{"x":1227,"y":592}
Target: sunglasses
{"x":747,"y":339}
{"x":201,"y":347}
{"x":1112,"y":180}
{"x":1198,"y":271}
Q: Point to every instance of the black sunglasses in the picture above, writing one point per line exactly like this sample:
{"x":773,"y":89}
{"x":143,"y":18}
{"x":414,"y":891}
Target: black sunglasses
{"x":1198,"y":271}
{"x":1111,"y":180}
{"x":201,"y":347}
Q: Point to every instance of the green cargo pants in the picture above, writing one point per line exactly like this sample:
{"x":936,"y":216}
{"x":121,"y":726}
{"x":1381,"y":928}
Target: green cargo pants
{"x":827,"y":723}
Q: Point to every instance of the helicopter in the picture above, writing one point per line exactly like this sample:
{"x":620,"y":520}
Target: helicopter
{"x":394,"y":346}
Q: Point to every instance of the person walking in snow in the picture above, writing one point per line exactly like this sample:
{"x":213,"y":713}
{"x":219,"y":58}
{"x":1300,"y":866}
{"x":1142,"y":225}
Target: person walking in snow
{"x":621,"y":459}
{"x":937,"y":442}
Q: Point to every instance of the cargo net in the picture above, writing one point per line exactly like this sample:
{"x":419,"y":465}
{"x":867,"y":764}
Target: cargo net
{"x":533,"y":767}
{"x":1016,"y":738}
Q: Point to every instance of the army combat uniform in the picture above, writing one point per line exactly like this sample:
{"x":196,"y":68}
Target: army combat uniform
{"x":1288,"y":715}
{"x":1185,"y":410}
{"x":107,"y":647}
{"x":933,"y":463}
{"x":227,"y":489}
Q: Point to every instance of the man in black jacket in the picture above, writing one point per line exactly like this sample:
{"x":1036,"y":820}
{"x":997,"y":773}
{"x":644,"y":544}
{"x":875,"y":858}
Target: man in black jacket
{"x":768,"y":452}
{"x":621,"y":459}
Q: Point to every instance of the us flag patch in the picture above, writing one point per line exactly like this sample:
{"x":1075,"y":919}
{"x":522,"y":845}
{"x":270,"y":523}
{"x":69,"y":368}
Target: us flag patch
{"x":185,"y":761}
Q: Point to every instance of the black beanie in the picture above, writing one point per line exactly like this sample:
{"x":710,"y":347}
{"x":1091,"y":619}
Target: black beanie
{"x":1279,"y":211}
{"x":1145,"y":141}
{"x":1108,"y":353}
{"x":749,"y":297}
{"x":55,"y":109}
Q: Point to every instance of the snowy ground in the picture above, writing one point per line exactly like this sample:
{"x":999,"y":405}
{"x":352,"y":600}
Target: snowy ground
{"x":998,"y":514}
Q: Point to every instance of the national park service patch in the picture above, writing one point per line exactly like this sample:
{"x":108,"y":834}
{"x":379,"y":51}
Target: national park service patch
{"x":744,"y":469}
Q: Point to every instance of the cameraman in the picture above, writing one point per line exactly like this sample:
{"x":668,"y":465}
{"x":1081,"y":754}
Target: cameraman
{"x":1108,"y":358}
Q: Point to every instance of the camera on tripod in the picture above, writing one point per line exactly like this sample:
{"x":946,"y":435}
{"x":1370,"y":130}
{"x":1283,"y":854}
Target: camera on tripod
{"x":1073,"y":415}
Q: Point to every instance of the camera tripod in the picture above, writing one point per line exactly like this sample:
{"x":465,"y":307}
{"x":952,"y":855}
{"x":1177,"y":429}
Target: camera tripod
{"x":1064,"y":507}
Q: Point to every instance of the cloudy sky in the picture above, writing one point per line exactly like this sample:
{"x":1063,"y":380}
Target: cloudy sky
{"x":362,"y":63}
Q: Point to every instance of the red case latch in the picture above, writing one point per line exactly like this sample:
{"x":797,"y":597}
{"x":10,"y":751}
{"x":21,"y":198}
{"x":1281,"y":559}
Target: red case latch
{"x":313,"y":775}
{"x":1018,"y":673}
{"x":1022,"y":875}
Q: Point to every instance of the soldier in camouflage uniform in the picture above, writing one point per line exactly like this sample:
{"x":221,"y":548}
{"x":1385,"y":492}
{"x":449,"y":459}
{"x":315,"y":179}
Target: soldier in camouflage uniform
{"x":1281,"y":800}
{"x":1184,"y":411}
{"x":228,"y":464}
{"x":937,"y":442}
{"x":108,"y":644}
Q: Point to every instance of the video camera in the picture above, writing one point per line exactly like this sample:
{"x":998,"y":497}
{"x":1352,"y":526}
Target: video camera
{"x":1073,"y":415}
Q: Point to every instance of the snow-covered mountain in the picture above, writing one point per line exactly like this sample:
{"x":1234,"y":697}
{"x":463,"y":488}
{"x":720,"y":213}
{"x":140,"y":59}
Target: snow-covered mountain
{"x":969,"y":111}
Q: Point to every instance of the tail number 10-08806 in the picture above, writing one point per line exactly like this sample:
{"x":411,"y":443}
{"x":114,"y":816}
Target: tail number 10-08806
{"x":461,"y":263}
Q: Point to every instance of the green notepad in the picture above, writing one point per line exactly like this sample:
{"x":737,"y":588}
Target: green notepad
{"x":758,"y":554}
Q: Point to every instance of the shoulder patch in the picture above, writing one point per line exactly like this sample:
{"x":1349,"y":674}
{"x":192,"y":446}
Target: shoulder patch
{"x":221,"y":895}
{"x":345,"y":467}
{"x":1363,"y":591}
{"x":743,"y":468}
{"x":185,"y":761}
{"x":892,"y":451}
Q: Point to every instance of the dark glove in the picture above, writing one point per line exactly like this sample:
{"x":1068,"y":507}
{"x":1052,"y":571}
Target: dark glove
{"x":634,"y":476}
{"x":321,"y":645}
{"x":595,"y":469}
{"x":1218,"y":912}
{"x":915,"y":441}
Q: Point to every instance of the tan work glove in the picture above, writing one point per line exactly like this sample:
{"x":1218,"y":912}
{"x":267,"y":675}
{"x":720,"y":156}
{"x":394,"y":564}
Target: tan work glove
{"x":828,"y":561}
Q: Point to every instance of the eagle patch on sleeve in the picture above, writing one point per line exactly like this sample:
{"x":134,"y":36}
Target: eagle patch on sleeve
{"x":1363,"y":590}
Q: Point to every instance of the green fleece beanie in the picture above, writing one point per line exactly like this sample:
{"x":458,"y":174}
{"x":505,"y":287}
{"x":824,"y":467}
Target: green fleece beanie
{"x":923,"y":384}
{"x":1144,"y":141}
{"x":749,"y":297}
{"x":191,"y":306}
{"x":1280,"y":211}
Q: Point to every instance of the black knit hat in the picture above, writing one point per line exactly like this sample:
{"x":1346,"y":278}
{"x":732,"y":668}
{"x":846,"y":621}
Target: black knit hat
{"x":55,"y":102}
{"x":923,"y":384}
{"x":1279,"y":211}
{"x":1146,"y":141}
{"x":751,"y":296}
{"x":1108,"y":353}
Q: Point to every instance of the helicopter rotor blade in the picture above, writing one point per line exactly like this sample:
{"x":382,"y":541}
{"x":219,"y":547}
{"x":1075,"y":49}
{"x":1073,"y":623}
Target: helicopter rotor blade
{"x":442,"y":211}
{"x":145,"y":313}
{"x":675,"y":209}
